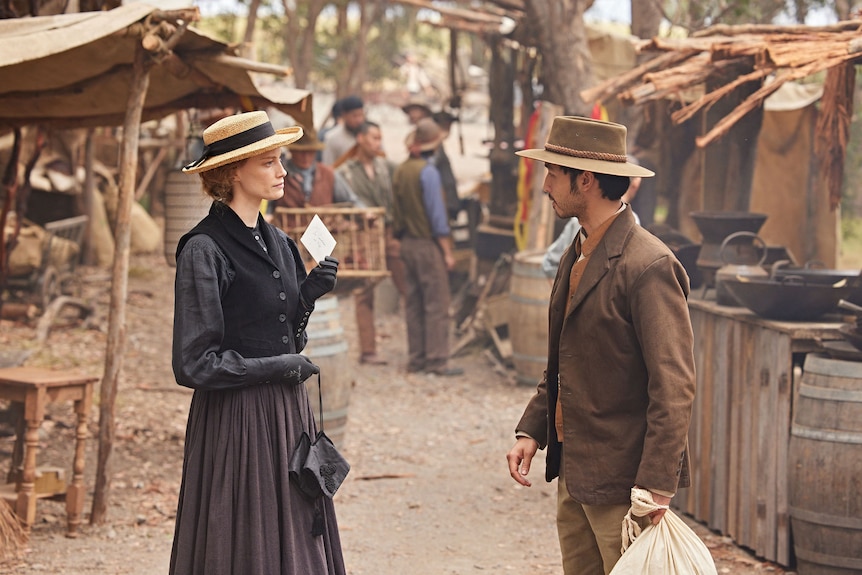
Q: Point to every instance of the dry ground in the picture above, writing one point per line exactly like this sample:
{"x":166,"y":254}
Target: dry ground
{"x":428,"y":492}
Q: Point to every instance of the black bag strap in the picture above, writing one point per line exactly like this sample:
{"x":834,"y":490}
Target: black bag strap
{"x":320,"y":400}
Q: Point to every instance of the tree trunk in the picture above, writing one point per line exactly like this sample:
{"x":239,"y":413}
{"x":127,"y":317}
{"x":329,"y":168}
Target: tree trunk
{"x":369,"y":11}
{"x":562,"y":42}
{"x":248,"y":39}
{"x":646,"y":18}
{"x":119,"y":282}
{"x":343,"y":73}
{"x":299,"y":40}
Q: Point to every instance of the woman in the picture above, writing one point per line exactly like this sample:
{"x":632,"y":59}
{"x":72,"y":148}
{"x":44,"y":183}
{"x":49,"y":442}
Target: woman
{"x":242,"y":303}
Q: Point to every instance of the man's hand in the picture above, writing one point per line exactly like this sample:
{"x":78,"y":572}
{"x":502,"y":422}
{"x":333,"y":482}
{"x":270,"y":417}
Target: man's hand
{"x":656,"y":515}
{"x":520,"y":457}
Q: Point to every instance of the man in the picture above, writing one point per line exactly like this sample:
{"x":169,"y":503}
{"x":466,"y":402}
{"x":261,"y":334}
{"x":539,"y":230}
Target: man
{"x":341,"y":138}
{"x":419,"y":221}
{"x":416,"y":109}
{"x":310,"y":183}
{"x":335,"y":114}
{"x":615,"y":403}
{"x":441,"y":160}
{"x":369,"y":175}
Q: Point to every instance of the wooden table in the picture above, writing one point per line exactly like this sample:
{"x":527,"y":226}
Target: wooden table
{"x":34,"y":388}
{"x":740,"y":428}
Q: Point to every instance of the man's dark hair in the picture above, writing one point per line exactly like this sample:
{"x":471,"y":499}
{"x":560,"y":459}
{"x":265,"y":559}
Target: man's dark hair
{"x":336,"y":110}
{"x":613,"y":187}
{"x":365,"y":126}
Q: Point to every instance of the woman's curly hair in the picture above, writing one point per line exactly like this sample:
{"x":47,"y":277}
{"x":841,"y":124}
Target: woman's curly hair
{"x":218,"y":182}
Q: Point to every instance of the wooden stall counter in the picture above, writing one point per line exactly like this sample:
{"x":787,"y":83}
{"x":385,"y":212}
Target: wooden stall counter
{"x":740,"y":428}
{"x":34,"y":388}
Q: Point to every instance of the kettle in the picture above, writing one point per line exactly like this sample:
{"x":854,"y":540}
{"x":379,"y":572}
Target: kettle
{"x":738,"y":262}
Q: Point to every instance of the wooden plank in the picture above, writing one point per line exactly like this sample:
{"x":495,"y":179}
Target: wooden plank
{"x":725,"y":427}
{"x":781,"y":437}
{"x":704,"y":396}
{"x":765,"y":384}
{"x":698,"y":497}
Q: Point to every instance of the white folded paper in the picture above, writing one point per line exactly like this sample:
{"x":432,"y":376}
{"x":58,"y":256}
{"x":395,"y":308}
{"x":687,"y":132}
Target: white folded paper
{"x":317,"y":239}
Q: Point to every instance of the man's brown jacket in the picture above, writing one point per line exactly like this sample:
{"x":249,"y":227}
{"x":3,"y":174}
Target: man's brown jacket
{"x":625,"y":361}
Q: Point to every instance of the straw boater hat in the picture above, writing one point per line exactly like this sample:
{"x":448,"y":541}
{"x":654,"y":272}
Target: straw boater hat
{"x":589,"y":145}
{"x":307,"y":143}
{"x":427,"y":135}
{"x":239,"y":137}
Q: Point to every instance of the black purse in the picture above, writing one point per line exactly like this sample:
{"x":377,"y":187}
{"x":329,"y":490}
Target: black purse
{"x":316,"y":467}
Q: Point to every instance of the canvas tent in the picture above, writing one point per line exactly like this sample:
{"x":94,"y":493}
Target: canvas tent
{"x":784,"y":183}
{"x":74,"y":70}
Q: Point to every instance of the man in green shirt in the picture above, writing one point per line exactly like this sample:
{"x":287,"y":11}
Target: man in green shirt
{"x":369,"y":174}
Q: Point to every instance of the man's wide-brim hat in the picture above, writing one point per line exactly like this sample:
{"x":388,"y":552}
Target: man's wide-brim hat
{"x":307,"y":143}
{"x":239,"y":137}
{"x":415,"y":103}
{"x":588,"y":145}
{"x":426,"y":137}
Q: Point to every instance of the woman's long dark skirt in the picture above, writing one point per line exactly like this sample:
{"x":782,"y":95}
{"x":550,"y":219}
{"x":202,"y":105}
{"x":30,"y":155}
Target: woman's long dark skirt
{"x":238,"y":513}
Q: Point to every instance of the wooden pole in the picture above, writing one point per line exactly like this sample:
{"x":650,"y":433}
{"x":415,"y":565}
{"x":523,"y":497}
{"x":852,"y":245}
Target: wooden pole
{"x":119,"y":283}
{"x":89,"y":190}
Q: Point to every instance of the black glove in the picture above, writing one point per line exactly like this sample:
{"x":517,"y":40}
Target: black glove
{"x":320,"y":281}
{"x":298,"y":368}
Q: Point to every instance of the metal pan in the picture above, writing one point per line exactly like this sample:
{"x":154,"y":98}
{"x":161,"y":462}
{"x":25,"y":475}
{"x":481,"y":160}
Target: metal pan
{"x":790,"y":299}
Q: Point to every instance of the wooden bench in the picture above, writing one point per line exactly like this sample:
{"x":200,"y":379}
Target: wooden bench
{"x":34,"y":388}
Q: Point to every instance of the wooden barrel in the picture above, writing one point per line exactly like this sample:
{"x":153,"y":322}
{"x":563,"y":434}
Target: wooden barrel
{"x":327,"y":347}
{"x":185,"y":205}
{"x":825,"y":458}
{"x":529,"y":293}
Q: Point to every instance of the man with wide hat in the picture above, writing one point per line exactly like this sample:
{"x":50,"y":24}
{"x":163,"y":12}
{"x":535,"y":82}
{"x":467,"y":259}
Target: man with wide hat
{"x":309,"y":182}
{"x":614,"y":405}
{"x":419,"y":221}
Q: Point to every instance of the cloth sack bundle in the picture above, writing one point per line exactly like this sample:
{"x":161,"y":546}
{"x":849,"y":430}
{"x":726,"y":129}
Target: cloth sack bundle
{"x":669,"y":548}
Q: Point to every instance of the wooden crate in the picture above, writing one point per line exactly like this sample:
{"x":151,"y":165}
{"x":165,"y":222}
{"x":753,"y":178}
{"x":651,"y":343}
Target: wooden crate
{"x":360,"y":235}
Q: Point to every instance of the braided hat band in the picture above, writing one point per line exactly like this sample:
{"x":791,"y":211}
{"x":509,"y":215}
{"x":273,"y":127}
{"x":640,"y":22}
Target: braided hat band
{"x":588,"y":145}
{"x":586,"y":154}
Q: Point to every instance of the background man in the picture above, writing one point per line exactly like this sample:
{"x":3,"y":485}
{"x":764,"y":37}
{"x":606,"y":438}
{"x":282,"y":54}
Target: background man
{"x":342,"y":137}
{"x":420,"y":222}
{"x":369,"y":175}
{"x":615,"y":403}
{"x":309,"y":182}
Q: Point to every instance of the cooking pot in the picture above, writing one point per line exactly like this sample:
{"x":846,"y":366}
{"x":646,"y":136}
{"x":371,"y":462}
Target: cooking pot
{"x":790,"y":298}
{"x":814,"y":274}
{"x":739,"y":261}
{"x":715,"y":226}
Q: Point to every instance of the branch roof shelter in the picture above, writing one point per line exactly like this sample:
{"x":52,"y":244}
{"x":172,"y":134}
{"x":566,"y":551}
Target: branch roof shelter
{"x":751,"y":63}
